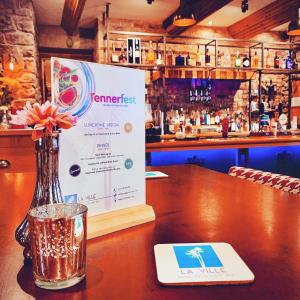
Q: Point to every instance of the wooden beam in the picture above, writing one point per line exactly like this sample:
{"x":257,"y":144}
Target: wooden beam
{"x":71,"y":15}
{"x":200,"y":8}
{"x":269,"y":17}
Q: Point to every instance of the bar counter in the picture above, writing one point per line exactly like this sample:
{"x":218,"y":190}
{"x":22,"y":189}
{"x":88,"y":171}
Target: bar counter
{"x":219,"y":143}
{"x":261,"y":223}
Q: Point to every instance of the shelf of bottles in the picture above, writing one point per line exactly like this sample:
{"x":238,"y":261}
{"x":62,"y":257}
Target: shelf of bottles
{"x":190,"y":57}
{"x":201,"y":60}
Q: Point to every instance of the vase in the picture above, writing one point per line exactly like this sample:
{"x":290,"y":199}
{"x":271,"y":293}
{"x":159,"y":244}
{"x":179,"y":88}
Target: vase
{"x":47,"y":187}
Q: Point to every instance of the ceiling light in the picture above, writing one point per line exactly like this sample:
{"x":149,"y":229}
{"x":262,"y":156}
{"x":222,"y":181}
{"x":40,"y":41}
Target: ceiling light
{"x":294,"y":26}
{"x":210,"y":22}
{"x":244,"y":6}
{"x":184,"y":19}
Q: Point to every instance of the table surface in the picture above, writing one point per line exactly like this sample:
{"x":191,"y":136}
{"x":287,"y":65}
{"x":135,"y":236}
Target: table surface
{"x":192,"y":205}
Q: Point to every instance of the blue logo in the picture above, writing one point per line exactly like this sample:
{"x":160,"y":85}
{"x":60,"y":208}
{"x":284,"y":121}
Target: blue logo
{"x":71,"y":198}
{"x":74,"y":170}
{"x":196,"y":256}
{"x":128,"y":163}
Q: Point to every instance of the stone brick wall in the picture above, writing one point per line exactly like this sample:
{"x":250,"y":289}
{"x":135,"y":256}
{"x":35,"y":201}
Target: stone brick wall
{"x":18,"y":37}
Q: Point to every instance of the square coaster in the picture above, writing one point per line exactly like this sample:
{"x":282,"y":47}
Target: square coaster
{"x":200,"y":264}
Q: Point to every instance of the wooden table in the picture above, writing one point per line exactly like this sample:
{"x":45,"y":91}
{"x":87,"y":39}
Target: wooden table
{"x":192,"y":205}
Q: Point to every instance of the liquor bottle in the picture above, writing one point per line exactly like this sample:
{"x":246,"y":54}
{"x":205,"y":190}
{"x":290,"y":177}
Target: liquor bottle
{"x":144,"y":56}
{"x":289,"y":61}
{"x":227,"y":59}
{"x":122,"y":57}
{"x":219,"y":58}
{"x":268,"y":60}
{"x":246,"y":62}
{"x":159,"y":58}
{"x":188,"y":60}
{"x":179,"y":60}
{"x":169,"y":57}
{"x":276,"y":60}
{"x":137,"y":51}
{"x":150,"y":54}
{"x":255,"y":60}
{"x":130,"y":51}
{"x":207,"y":57}
{"x":237,"y":60}
{"x":198,"y":56}
{"x":114,"y":55}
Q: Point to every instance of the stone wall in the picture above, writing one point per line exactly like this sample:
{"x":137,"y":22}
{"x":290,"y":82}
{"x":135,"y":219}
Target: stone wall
{"x":18,"y":37}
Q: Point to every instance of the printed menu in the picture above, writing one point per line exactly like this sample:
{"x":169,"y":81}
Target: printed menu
{"x":102,"y":158}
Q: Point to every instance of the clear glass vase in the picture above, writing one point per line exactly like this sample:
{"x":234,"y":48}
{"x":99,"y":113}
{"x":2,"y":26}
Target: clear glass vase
{"x":47,"y":187}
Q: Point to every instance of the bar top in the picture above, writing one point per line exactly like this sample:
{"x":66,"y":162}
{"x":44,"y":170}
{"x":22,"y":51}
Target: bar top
{"x":231,"y":142}
{"x":260,"y":222}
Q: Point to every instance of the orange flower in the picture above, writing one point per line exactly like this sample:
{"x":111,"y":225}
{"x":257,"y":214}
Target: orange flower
{"x":46,"y":118}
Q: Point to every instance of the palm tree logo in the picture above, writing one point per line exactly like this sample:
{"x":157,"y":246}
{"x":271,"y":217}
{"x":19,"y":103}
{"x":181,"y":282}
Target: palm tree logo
{"x":196,"y":253}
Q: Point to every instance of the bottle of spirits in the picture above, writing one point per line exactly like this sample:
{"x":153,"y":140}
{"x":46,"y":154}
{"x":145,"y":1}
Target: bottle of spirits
{"x":122,"y":57}
{"x":289,"y":61}
{"x":188,"y":60}
{"x":114,"y":55}
{"x":219,"y":58}
{"x":276,"y":60}
{"x":255,"y":60}
{"x":268,"y":60}
{"x":179,"y":60}
{"x":207,"y":57}
{"x":246,"y":62}
{"x":150,"y":54}
{"x":169,"y":57}
{"x":237,"y":60}
{"x":198,"y":56}
{"x":159,"y":58}
{"x":144,"y":56}
{"x":137,"y":51}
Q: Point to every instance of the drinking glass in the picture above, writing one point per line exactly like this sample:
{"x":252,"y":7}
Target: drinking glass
{"x":58,"y":244}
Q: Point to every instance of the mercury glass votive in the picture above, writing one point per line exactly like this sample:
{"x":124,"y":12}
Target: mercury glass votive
{"x":58,"y":244}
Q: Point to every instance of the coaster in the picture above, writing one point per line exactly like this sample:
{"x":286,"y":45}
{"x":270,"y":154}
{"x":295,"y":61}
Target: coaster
{"x":155,"y":174}
{"x":200,"y":264}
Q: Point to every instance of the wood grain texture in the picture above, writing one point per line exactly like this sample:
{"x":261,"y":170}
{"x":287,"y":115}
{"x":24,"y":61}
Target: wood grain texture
{"x":267,"y":18}
{"x":200,"y":8}
{"x":120,"y":219}
{"x":71,"y":15}
{"x":192,"y":205}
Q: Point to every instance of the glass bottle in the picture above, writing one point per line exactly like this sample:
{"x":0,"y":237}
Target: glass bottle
{"x":219,"y":58}
{"x":237,"y":61}
{"x":122,"y":57}
{"x":170,"y":57}
{"x":268,"y":60}
{"x":198,"y":56}
{"x":276,"y":60}
{"x":255,"y":60}
{"x":144,"y":56}
{"x":289,"y":61}
{"x":159,"y":57}
{"x":150,"y":54}
{"x":114,"y":55}
{"x":207,"y":57}
{"x":188,"y":60}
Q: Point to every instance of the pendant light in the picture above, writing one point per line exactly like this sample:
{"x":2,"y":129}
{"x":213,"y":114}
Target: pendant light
{"x":294,"y":26}
{"x":185,"y":18}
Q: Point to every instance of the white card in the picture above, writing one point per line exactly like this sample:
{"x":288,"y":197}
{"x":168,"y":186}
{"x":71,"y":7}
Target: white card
{"x":155,"y":174}
{"x":200,"y":264}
